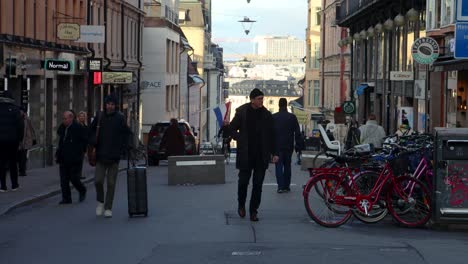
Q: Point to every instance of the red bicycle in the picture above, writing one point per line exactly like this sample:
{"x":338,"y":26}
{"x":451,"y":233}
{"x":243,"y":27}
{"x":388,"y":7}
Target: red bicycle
{"x":332,"y":195}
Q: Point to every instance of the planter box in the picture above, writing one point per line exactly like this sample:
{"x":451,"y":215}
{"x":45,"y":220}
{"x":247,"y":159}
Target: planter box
{"x":207,"y":169}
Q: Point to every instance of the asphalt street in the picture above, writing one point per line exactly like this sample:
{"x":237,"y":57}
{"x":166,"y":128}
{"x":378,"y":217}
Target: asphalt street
{"x":199,"y":224}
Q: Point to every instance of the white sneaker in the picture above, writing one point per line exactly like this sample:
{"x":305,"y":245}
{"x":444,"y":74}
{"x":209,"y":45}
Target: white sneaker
{"x":108,"y":213}
{"x":99,"y":209}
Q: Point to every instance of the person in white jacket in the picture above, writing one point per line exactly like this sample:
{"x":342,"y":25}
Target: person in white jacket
{"x":372,"y":132}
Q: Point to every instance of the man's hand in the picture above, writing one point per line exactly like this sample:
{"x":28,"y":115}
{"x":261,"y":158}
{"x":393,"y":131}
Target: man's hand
{"x":275,"y":159}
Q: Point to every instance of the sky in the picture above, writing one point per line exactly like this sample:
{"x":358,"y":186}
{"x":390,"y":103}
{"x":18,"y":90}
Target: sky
{"x":274,"y":17}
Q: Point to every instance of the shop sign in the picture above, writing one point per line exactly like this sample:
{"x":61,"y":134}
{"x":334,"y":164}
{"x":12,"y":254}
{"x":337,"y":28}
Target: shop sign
{"x":401,"y":76}
{"x":92,"y":34}
{"x":461,"y":40}
{"x":349,"y":107}
{"x":462,"y":10}
{"x":117,"y":77}
{"x":420,"y":89}
{"x":425,"y":50}
{"x":68,"y":31}
{"x":58,"y":65}
{"x":95,"y":64}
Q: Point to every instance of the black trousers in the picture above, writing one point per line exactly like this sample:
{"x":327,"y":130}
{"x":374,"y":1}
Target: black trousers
{"x":22,"y":160}
{"x":257,"y":184}
{"x":70,"y":173}
{"x":8,"y":157}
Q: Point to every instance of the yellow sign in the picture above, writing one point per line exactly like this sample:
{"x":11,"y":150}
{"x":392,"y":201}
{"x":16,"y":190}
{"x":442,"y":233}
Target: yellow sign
{"x":302,"y":116}
{"x":117,"y":77}
{"x":68,"y":31}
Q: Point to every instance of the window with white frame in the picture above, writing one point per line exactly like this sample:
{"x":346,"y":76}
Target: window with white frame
{"x":316,"y":93}
{"x":447,"y":12}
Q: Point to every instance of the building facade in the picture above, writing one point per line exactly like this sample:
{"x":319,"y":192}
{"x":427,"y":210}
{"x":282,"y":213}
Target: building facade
{"x":335,"y":61}
{"x":280,"y":47}
{"x":162,"y":39}
{"x":45,"y":67}
{"x":383,"y":72}
{"x":448,"y":76}
{"x":313,"y":101}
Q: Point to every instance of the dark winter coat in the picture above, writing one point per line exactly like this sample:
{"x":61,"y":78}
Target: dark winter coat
{"x":240,"y":133}
{"x":113,"y":136}
{"x":72,"y":143}
{"x":173,"y":141}
{"x":286,"y":131}
{"x":11,"y":122}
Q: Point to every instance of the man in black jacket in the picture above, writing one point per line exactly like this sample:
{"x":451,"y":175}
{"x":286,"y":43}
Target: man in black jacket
{"x":252,"y":128}
{"x":110,"y":143}
{"x":11,"y":134}
{"x":72,"y":142}
{"x":286,"y":130}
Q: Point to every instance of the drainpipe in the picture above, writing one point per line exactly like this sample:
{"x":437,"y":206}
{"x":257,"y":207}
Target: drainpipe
{"x":122,"y":34}
{"x":322,"y":63}
{"x":106,"y":65}
{"x":90,"y":98}
{"x":180,"y":79}
{"x":140,"y":64}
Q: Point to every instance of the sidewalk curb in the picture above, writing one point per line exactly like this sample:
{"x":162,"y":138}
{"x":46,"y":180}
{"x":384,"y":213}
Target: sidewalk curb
{"x":43,"y":196}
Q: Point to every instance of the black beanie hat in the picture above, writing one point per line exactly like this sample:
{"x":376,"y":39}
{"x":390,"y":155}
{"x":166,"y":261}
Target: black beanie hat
{"x":283,"y":102}
{"x":110,"y":98}
{"x":255,"y":92}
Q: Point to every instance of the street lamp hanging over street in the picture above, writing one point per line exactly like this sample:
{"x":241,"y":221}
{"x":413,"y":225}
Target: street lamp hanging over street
{"x":247,"y":24}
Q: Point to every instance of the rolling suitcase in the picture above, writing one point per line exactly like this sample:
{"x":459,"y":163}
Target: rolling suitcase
{"x":137,"y":191}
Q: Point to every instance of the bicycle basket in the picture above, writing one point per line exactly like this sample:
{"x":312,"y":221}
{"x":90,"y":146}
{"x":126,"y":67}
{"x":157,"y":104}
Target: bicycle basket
{"x":400,"y":164}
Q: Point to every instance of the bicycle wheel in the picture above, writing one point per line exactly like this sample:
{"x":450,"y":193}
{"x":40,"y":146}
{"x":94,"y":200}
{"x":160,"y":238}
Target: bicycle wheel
{"x":323,"y":210}
{"x":315,"y":160}
{"x":365,"y":182}
{"x":409,"y":201}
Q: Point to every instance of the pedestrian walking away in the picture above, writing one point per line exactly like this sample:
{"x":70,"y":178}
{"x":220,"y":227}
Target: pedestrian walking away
{"x":372,"y":132}
{"x":29,"y":140}
{"x":110,"y":143}
{"x":287,"y":133}
{"x":69,"y":155}
{"x":225,"y":133}
{"x":172,"y":141}
{"x":11,"y":134}
{"x":253,"y":129}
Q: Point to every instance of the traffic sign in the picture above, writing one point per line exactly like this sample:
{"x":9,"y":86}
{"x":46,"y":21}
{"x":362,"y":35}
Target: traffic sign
{"x":462,"y":10}
{"x":349,"y":107}
{"x":461,"y":40}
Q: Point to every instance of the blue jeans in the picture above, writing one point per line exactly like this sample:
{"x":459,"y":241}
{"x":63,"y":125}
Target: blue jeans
{"x":283,"y":170}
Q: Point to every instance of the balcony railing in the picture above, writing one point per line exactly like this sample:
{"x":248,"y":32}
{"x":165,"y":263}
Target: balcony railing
{"x":348,"y":8}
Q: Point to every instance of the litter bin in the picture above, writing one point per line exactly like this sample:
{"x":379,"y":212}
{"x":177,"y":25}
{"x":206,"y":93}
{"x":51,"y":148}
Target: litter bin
{"x":450,"y":197}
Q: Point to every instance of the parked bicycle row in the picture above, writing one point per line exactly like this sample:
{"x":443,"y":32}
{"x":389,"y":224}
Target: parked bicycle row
{"x":369,"y":184}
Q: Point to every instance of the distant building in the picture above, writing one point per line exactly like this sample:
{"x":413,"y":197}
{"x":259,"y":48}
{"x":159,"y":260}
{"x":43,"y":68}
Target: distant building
{"x":280,"y":47}
{"x":273,"y":90}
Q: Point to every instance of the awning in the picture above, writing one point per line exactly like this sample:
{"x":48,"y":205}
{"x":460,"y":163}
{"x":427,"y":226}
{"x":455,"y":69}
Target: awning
{"x":194,"y":79}
{"x":361,"y":88}
{"x":185,"y":44}
{"x":450,"y":65}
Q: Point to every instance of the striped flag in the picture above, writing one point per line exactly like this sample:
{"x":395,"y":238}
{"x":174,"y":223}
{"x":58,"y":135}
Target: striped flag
{"x":222,"y":112}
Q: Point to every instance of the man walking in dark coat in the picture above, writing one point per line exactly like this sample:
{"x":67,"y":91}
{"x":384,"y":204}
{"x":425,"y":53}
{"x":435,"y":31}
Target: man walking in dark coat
{"x":252,"y":128}
{"x":286,"y":130}
{"x":72,"y":142}
{"x":11,"y":134}
{"x":110,"y":143}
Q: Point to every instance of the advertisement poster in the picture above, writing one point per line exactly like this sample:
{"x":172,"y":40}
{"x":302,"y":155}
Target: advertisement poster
{"x":405,"y":114}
